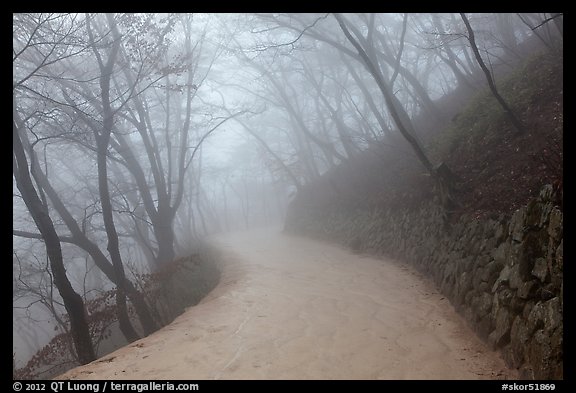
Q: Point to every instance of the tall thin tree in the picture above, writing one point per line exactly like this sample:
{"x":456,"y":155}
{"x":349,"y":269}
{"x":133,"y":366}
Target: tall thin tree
{"x":491,"y":83}
{"x":72,"y":300}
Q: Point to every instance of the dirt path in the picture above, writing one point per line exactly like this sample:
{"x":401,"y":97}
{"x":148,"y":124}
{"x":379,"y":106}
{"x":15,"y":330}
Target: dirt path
{"x":293,"y":308}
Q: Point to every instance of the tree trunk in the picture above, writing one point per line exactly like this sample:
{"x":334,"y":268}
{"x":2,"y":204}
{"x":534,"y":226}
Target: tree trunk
{"x":388,"y":96}
{"x":100,"y":260}
{"x":82,"y":241}
{"x":451,"y":60}
{"x":368,"y":96}
{"x":515,"y":121}
{"x":113,"y":243}
{"x":165,"y":235}
{"x":159,"y":226}
{"x":102,"y":138}
{"x":72,"y":301}
{"x":442,"y":174}
{"x":427,"y":103}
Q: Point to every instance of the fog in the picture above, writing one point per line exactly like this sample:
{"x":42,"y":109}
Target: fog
{"x":136,"y":136}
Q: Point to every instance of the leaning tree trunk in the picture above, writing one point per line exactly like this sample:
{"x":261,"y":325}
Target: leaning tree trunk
{"x":511,"y":115}
{"x":72,"y":300}
{"x":81,"y":240}
{"x":164,"y":233}
{"x":113,"y":243}
{"x":102,"y":138}
{"x":442,"y":174}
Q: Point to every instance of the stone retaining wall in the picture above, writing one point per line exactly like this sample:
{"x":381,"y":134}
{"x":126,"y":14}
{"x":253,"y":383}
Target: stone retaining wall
{"x":505,"y":275}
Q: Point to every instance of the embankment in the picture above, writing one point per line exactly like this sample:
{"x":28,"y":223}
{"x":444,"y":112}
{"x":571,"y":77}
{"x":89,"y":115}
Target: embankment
{"x":182,"y":284}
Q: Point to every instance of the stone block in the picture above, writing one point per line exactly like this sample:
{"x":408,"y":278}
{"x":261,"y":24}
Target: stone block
{"x":516,"y":226}
{"x":501,"y":334}
{"x":519,"y":336}
{"x":540,"y":270}
{"x":528,"y":290}
{"x":555,"y":226}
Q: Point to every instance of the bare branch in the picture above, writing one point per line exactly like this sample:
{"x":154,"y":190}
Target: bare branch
{"x":32,"y":235}
{"x":547,"y":20}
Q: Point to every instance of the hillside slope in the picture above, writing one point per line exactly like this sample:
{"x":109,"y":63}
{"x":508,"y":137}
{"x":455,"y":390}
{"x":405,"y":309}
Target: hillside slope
{"x":498,"y":170}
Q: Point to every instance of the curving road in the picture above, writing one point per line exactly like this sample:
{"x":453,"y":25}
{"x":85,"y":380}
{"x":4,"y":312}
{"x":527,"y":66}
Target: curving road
{"x":295,"y":308}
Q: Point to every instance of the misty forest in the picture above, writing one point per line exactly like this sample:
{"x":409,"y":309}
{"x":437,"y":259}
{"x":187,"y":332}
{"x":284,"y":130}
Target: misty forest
{"x":287,"y":196}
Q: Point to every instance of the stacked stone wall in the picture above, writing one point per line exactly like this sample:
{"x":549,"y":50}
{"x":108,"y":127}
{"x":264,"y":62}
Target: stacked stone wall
{"x":504,"y":275}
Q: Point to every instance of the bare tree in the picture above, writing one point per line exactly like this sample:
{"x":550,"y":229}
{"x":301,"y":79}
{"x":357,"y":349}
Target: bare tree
{"x":511,"y":115}
{"x":72,"y":300}
{"x":43,"y":40}
{"x":102,"y":137}
{"x":443,"y":48}
{"x":444,"y":177}
{"x":79,"y":238}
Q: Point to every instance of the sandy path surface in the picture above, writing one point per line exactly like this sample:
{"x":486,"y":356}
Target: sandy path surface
{"x":294,"y":308}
